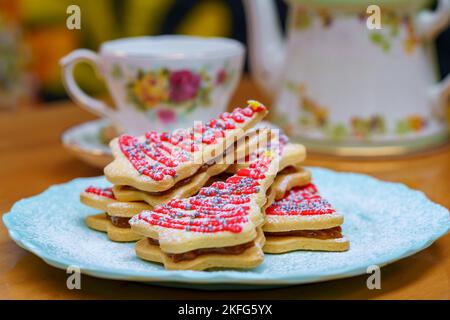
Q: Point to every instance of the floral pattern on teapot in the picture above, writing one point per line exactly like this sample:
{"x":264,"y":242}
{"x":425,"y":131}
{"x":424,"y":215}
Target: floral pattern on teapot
{"x":314,"y":115}
{"x":352,"y":75}
{"x":303,"y":18}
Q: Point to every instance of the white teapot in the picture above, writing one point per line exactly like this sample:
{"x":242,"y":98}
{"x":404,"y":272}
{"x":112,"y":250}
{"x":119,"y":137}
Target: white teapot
{"x":340,"y":86}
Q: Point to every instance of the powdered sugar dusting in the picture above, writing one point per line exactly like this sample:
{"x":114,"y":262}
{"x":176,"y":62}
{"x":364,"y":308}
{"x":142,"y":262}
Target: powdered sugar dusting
{"x":383,"y":221}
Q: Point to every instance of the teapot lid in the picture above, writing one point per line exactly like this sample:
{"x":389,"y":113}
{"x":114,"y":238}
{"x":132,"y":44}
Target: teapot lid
{"x":410,"y":4}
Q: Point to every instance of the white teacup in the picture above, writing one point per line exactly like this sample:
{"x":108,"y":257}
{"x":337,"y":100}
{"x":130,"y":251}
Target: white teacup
{"x":160,"y":83}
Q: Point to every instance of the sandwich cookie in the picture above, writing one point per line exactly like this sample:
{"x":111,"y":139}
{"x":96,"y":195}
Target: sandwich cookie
{"x":191,"y":185}
{"x":288,"y":178}
{"x":303,"y":220}
{"x":116,"y":215}
{"x":156,"y":162}
{"x":219,"y":227}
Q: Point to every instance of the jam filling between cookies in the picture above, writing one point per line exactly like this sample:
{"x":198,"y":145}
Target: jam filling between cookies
{"x":191,"y":255}
{"x":288,"y":170}
{"x":120,"y":222}
{"x":324,"y":234}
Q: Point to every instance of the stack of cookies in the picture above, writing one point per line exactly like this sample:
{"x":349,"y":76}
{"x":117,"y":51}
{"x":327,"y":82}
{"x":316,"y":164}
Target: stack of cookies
{"x":300,"y":219}
{"x":150,"y":170}
{"x":193,"y":212}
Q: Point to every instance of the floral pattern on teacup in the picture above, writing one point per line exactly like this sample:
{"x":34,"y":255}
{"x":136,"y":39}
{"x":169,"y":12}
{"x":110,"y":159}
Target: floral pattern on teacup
{"x":181,"y":88}
{"x":166,"y":116}
{"x":149,"y":89}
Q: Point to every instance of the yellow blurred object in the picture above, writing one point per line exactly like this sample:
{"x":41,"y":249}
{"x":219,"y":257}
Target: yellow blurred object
{"x":210,"y":18}
{"x":98,"y":21}
{"x":145,"y":17}
{"x":89,"y":79}
{"x":44,"y":12}
{"x":47,"y":39}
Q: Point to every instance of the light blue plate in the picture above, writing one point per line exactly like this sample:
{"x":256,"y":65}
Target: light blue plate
{"x":384,"y":222}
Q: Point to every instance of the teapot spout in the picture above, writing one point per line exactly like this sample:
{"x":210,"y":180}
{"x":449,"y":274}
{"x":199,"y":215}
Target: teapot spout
{"x":265,"y":43}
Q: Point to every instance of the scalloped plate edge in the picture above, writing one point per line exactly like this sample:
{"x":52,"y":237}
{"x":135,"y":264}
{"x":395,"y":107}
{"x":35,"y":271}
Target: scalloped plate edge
{"x":206,"y":277}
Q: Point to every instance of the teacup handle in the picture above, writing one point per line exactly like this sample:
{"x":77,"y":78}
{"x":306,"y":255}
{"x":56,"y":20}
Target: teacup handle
{"x":93,"y":105}
{"x":429,"y":24}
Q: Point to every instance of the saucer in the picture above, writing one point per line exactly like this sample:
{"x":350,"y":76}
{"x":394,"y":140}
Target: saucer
{"x":84,"y":142}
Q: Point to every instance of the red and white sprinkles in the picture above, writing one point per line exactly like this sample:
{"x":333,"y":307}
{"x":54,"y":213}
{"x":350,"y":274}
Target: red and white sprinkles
{"x":303,"y":201}
{"x":101,"y":192}
{"x":223,"y":206}
{"x":168,"y":150}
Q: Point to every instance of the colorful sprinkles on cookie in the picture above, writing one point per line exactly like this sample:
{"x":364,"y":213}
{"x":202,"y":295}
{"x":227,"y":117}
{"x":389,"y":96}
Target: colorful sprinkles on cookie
{"x":169,"y":150}
{"x":301,"y":201}
{"x":303,"y":220}
{"x":219,"y":207}
{"x":219,"y":227}
{"x":101,"y":192}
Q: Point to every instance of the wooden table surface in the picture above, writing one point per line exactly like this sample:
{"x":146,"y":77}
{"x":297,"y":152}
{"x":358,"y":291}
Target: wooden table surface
{"x":32,"y":159}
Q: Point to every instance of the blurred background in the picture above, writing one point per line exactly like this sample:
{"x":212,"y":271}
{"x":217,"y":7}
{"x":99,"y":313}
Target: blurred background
{"x":33,"y":37}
